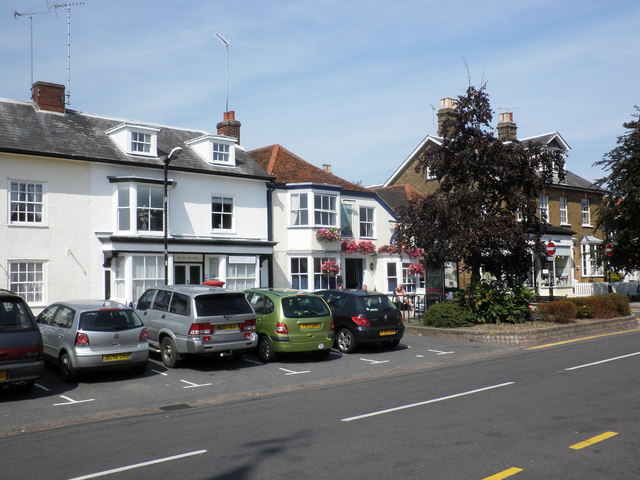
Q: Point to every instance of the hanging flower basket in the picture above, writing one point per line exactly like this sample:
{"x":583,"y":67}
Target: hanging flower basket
{"x":416,"y":269}
{"x":349,"y":245}
{"x":328,"y":234}
{"x":366,"y":247}
{"x":393,"y":248}
{"x":413,"y":252}
{"x":330,"y":268}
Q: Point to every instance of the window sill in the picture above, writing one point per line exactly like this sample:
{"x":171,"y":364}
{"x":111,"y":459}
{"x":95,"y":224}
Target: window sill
{"x":27,"y":225}
{"x":586,"y":226}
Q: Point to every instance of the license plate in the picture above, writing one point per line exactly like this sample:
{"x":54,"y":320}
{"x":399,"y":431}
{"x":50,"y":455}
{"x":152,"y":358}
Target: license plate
{"x":227,"y":326}
{"x":3,"y":375}
{"x":309,"y":326}
{"x":387,"y":332}
{"x":115,"y":357}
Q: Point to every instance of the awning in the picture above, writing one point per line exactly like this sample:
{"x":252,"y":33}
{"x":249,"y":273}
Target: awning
{"x":589,"y":239}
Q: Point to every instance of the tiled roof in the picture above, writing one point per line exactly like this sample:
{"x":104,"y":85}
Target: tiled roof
{"x":25,"y":129}
{"x":397,"y":196}
{"x":287,"y":167}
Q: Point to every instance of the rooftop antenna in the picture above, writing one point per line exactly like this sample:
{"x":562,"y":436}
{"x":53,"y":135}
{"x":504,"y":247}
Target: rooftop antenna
{"x":226,"y":43}
{"x":67,"y":7}
{"x":30,"y":16}
{"x":433,"y":114}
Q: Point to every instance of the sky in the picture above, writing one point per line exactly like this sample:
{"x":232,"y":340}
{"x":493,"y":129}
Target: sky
{"x":350,"y":83}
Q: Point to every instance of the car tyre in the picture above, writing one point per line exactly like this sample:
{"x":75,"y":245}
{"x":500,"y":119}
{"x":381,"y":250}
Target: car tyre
{"x":265,"y":349}
{"x":67,"y":372}
{"x":345,"y":340}
{"x":169,"y":353}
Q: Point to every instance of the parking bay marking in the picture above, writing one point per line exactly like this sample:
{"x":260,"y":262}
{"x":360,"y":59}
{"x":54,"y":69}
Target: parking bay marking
{"x":438,"y":352}
{"x":138,"y":465}
{"x":504,"y":474}
{"x":194,"y":385}
{"x":426,"y":402}
{"x":293,"y":372}
{"x":591,"y":441}
{"x":374,"y":362}
{"x":71,"y":401}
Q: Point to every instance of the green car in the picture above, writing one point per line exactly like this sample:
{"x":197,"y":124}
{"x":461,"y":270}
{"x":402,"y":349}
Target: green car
{"x":290,"y":321}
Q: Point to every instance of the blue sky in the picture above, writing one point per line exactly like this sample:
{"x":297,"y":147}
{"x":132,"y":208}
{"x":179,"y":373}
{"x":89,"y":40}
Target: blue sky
{"x":349,"y":83}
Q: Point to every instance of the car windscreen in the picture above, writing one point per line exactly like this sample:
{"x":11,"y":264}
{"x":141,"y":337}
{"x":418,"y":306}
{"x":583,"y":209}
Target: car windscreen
{"x":222,"y":304}
{"x":304,"y":306}
{"x":374,"y":303}
{"x":15,"y":316}
{"x":109,"y":320}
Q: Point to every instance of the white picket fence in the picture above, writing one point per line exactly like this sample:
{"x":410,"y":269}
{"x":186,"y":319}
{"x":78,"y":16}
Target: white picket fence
{"x":586,"y":289}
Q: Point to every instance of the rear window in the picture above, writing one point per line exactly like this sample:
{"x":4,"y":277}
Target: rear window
{"x":15,"y":316}
{"x":304,"y":306}
{"x":109,"y":320}
{"x":222,"y":304}
{"x":374,"y":303}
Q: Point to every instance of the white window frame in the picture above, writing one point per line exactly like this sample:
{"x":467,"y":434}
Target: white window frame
{"x":140,"y":142}
{"x":585,"y":204}
{"x":126,"y":137}
{"x":221,"y":152}
{"x":322,"y":212}
{"x":240,"y":275}
{"x":132,"y":209}
{"x":367,"y":222}
{"x":322,"y":281}
{"x":299,"y":272}
{"x":590,"y":265}
{"x":153,"y":273}
{"x":299,"y":215}
{"x":223,"y":214}
{"x":543,"y":207}
{"x":19,"y":195}
{"x":564,"y":210}
{"x":215,"y":149}
{"x":27,"y":279}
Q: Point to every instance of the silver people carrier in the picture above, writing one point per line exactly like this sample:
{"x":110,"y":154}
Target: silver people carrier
{"x":193,"y":319}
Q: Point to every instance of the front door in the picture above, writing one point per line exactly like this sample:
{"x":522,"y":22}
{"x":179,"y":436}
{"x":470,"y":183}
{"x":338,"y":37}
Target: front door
{"x":187,"y":274}
{"x":353,"y":273}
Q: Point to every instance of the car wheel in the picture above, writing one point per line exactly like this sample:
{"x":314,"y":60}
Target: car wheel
{"x":169,"y":353}
{"x":321,"y":354}
{"x":24,"y":385}
{"x":139,"y":369}
{"x":393,"y":343}
{"x":265,"y":350}
{"x":345,"y":341}
{"x":67,"y":372}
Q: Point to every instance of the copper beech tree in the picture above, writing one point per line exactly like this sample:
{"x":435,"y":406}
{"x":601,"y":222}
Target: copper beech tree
{"x":484,"y":212}
{"x":619,"y":214}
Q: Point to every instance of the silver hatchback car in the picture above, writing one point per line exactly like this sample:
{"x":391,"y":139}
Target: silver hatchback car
{"x":93,"y":335}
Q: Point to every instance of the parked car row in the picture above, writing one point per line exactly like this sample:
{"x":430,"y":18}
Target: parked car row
{"x":181,"y":320}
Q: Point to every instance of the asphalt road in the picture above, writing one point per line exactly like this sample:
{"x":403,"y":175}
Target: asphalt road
{"x":569,"y":412}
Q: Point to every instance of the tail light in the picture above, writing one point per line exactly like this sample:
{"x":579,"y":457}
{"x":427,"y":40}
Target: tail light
{"x":362,"y":321}
{"x":144,"y":335}
{"x":82,"y":339}
{"x":19,"y":353}
{"x":282,"y":328}
{"x":247,"y":327}
{"x":332,"y":325}
{"x":200,"y":329}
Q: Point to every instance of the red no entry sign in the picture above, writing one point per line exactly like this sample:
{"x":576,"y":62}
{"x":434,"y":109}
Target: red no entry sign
{"x":551,"y":249}
{"x":608,"y":249}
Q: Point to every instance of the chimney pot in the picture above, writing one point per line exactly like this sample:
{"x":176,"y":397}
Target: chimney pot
{"x":229,"y":126}
{"x":507,"y":129}
{"x":326,"y":167}
{"x":446,"y":114}
{"x":48,"y":96}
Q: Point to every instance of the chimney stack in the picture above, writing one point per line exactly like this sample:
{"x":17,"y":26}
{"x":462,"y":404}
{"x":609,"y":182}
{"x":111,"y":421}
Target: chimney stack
{"x":48,"y":96}
{"x":326,"y":167}
{"x":446,"y":117}
{"x":229,"y":126}
{"x":507,"y":129}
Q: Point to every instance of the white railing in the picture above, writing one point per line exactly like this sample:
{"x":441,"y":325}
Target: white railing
{"x":586,"y":289}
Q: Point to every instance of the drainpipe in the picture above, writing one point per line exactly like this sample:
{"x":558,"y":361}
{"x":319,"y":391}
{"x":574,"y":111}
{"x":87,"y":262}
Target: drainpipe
{"x":270,"y":188}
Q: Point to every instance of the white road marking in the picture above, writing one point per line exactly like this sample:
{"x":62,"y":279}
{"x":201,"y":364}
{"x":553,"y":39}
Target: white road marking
{"x":138,"y":465}
{"x":440,"y":353}
{"x":374,"y":362}
{"x":419,"y":356}
{"x":293,"y":372}
{"x":194,"y":385}
{"x":253,"y":361}
{"x":43,"y":387}
{"x":71,"y":401}
{"x":603,"y":361}
{"x":434,"y":400}
{"x":158,"y":371}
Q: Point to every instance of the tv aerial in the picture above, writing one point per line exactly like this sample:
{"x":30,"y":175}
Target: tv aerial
{"x":227,"y":44}
{"x":30,"y":16}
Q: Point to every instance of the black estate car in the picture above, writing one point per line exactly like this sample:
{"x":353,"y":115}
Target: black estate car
{"x":363,"y":317}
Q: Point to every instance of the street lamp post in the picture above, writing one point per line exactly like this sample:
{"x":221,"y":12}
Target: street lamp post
{"x":175,"y":153}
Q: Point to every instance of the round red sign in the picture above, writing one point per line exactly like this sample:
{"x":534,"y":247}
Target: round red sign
{"x":551,"y":249}
{"x":608,"y":249}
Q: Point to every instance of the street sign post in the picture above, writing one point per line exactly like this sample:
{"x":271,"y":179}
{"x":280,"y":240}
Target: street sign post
{"x":608,"y":249}
{"x":551,"y":251}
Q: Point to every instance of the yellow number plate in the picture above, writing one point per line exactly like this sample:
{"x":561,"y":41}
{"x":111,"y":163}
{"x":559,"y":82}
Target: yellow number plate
{"x":227,"y":326}
{"x":387,"y":332}
{"x":309,"y":326}
{"x":3,"y":375}
{"x":114,"y":357}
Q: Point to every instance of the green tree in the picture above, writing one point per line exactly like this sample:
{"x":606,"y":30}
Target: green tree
{"x":619,"y":214}
{"x":484,"y":186}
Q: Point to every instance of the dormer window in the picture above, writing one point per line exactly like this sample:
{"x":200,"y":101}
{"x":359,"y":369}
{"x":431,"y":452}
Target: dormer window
{"x":215,"y":149}
{"x":135,"y":139}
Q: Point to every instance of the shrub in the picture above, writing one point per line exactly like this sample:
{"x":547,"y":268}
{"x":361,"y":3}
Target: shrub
{"x":560,"y":311}
{"x":491,"y":302}
{"x":448,"y":315}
